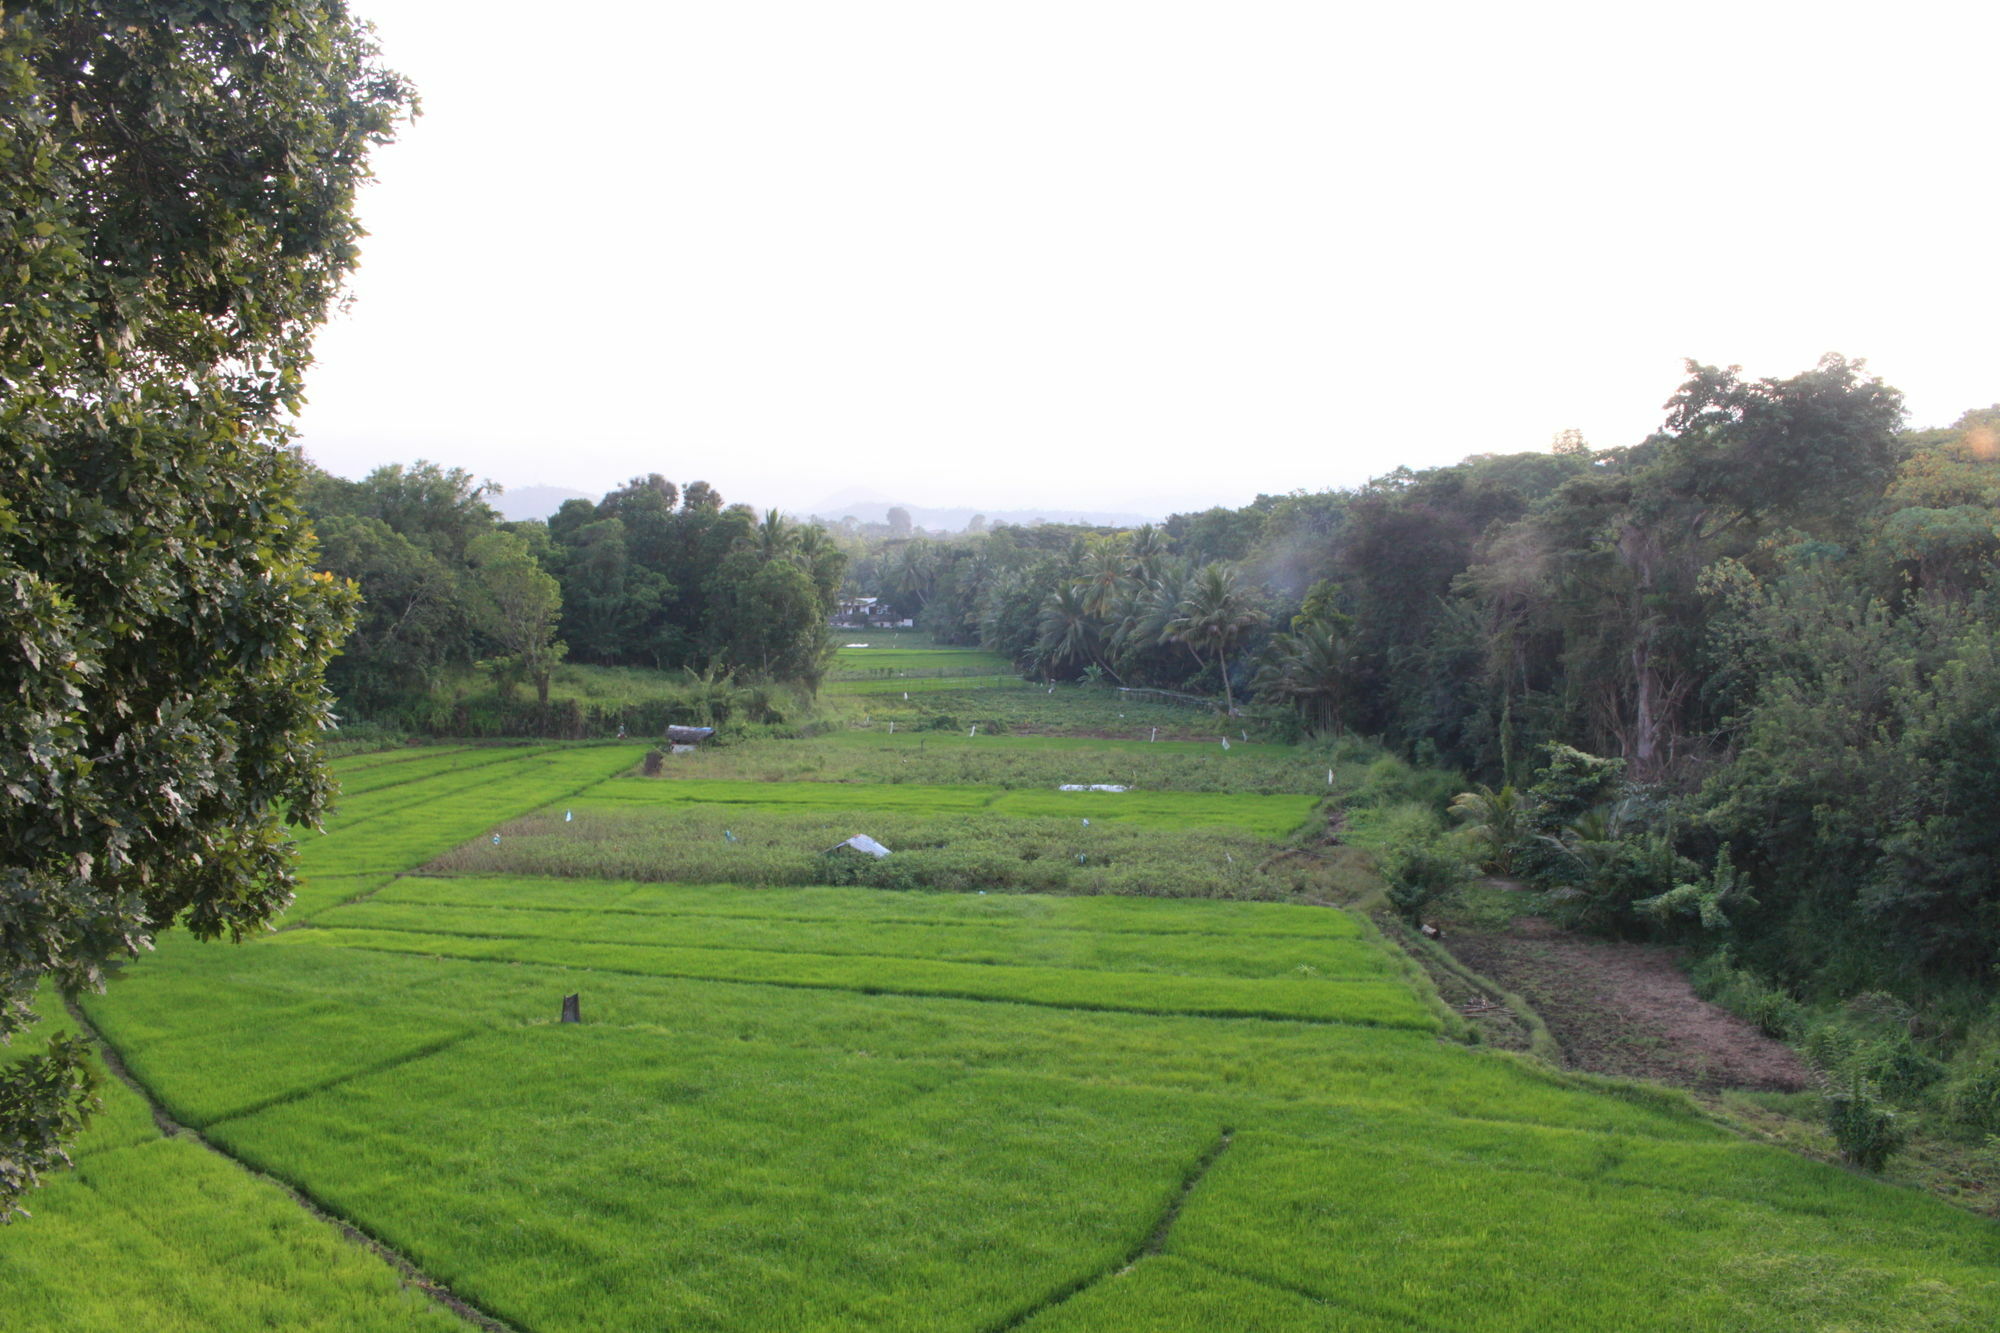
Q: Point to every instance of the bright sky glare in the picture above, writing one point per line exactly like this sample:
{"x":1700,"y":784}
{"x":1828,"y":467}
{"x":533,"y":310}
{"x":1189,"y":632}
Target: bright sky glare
{"x":1141,"y":256}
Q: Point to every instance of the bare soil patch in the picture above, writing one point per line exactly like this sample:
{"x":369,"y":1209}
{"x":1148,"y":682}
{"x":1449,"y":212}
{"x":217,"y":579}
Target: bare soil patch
{"x":1627,"y":1009}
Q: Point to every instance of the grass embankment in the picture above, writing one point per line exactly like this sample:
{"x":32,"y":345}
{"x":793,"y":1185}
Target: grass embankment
{"x":790,"y":1108}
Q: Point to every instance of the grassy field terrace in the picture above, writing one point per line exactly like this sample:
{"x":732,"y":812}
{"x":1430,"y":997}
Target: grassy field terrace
{"x":1162,"y":1096}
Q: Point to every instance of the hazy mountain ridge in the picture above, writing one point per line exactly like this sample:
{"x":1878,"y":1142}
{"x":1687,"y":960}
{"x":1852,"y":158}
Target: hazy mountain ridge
{"x":517,"y":503}
{"x":955,"y":518}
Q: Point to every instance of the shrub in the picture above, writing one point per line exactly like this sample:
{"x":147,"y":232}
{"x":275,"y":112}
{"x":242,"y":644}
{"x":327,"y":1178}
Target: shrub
{"x":1865,"y":1130}
{"x":1421,"y":871}
{"x":1829,"y":1048}
{"x":1973,"y":1096}
{"x":1570,"y":784}
{"x":1900,"y":1068}
{"x":1743,"y":992}
{"x":1775,"y":1013}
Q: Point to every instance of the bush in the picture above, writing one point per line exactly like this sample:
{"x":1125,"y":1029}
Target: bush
{"x":1775,"y":1013}
{"x":1423,"y":871}
{"x":1865,"y":1130}
{"x":1973,"y":1096}
{"x":1900,"y":1068}
{"x":1743,"y":992}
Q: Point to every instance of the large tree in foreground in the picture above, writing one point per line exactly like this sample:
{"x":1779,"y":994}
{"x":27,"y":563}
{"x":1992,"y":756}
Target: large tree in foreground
{"x":176,"y":201}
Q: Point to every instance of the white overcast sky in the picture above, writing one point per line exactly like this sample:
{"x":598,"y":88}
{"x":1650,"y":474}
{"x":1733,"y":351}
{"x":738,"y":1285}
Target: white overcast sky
{"x":1142,"y":256}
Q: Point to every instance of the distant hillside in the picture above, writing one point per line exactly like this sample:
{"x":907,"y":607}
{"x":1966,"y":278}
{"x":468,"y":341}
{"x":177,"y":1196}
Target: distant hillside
{"x":523,"y":502}
{"x":955,"y":519}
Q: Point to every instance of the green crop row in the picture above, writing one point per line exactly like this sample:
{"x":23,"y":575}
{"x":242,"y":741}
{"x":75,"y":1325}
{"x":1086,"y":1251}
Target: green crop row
{"x":163,"y":1234}
{"x":1060,"y":710}
{"x":608,"y":1180}
{"x":996,"y":943}
{"x":1325,"y":999}
{"x":409,"y":766}
{"x":754,"y":845}
{"x":1690,"y":1240}
{"x":952,"y":758}
{"x":896,"y":658}
{"x":429,"y":817}
{"x":395,"y":797}
{"x":915,"y":685}
{"x":1268,"y":816}
{"x":869,"y":908}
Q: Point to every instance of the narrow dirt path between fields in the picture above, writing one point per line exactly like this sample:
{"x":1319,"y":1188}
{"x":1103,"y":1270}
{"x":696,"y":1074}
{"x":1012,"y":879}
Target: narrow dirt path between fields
{"x":1626,"y":1009}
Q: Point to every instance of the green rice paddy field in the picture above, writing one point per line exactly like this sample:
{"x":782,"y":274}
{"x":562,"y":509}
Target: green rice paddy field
{"x":798,"y":1106}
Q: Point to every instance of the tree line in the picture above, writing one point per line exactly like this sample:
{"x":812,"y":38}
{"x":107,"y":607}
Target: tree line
{"x":651,"y":575}
{"x":1777,"y":615}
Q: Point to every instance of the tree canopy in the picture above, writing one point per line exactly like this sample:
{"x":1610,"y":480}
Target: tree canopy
{"x":176,"y":194}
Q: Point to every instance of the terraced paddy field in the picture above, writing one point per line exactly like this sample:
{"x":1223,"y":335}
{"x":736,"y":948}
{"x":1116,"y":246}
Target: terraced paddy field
{"x":876,"y":754}
{"x":850,"y":684}
{"x":832,"y":1107}
{"x":889,"y":655}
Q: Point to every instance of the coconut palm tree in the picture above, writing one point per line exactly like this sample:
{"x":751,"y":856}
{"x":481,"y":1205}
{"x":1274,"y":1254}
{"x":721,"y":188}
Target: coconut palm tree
{"x":1144,"y":551}
{"x":1308,"y":669}
{"x":1104,"y":580}
{"x":776,"y":536}
{"x":913,"y":572}
{"x":1216,"y":614}
{"x":1070,"y":635}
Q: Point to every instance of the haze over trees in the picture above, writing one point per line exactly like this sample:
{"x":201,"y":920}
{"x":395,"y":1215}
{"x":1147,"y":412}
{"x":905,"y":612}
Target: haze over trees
{"x":176,"y":192}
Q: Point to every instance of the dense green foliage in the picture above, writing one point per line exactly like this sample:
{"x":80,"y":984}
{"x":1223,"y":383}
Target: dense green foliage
{"x":176,"y":197}
{"x":650,"y":576}
{"x":653,"y":575}
{"x":1776,"y":614}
